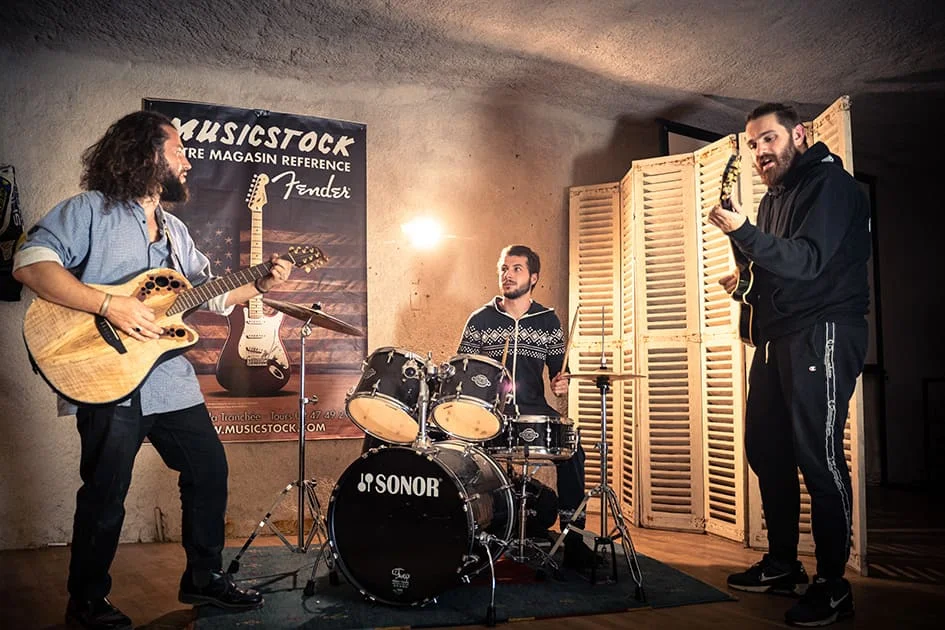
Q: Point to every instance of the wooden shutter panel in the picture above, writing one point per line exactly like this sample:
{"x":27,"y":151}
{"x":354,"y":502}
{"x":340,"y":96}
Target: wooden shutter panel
{"x":666,"y":302}
{"x":722,"y":358}
{"x":625,"y":448}
{"x":594,"y":264}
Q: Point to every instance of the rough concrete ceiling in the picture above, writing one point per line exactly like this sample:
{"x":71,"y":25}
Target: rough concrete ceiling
{"x":698,"y":63}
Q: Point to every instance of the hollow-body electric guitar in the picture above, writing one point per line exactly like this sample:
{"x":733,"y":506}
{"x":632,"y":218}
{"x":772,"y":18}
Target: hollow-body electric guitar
{"x":253,"y":361}
{"x":742,"y":293}
{"x":88,"y":361}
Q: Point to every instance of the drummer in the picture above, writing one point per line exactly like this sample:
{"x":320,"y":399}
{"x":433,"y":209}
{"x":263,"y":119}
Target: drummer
{"x":535,"y":340}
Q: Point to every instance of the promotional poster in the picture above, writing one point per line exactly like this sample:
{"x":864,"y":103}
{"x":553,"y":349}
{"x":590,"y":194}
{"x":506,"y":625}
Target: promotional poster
{"x":262,"y":183}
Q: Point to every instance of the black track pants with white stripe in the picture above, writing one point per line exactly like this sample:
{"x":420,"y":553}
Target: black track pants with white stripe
{"x":799,"y":392}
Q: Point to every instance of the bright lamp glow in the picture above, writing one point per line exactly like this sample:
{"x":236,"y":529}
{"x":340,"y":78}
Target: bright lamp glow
{"x":423,"y":232}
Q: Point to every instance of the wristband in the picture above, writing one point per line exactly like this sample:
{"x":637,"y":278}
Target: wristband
{"x":258,"y":288}
{"x":104,"y":307}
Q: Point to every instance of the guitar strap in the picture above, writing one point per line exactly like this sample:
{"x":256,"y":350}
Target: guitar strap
{"x":175,"y":261}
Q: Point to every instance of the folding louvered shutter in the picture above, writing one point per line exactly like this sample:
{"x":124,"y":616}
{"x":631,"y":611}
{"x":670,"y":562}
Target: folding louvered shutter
{"x":594,"y":265}
{"x":669,"y":430}
{"x":625,"y":448}
{"x":832,"y":127}
{"x":722,"y":357}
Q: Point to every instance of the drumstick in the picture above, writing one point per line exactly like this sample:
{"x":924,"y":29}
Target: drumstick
{"x":505,"y":351}
{"x":567,"y":348}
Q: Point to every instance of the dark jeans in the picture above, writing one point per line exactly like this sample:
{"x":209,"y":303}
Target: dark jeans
{"x":799,"y":393}
{"x":111,"y":437}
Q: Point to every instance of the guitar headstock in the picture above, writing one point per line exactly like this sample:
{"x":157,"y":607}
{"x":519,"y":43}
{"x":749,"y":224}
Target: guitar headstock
{"x":256,"y":197}
{"x":729,"y":175}
{"x":306,"y":257}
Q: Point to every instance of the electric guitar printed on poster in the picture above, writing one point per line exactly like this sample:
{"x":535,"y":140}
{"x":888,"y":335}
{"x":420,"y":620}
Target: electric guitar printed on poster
{"x":746,"y":280}
{"x":88,"y":361}
{"x":253,"y":361}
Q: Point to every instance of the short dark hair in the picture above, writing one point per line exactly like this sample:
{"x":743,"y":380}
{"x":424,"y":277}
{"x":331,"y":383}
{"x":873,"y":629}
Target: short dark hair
{"x":533,"y":262}
{"x":786,"y":115}
{"x":126,"y":163}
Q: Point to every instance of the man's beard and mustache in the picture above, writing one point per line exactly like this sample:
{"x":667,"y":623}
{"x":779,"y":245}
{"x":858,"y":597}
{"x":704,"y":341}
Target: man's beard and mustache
{"x":782,"y":164}
{"x":516,"y":291}
{"x":173,"y":190}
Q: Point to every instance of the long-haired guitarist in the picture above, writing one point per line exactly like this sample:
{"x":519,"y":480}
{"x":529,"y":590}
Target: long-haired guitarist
{"x":114,"y":231}
{"x":810,"y":296}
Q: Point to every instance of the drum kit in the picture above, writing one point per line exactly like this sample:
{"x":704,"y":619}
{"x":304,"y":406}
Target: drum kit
{"x":412,"y":518}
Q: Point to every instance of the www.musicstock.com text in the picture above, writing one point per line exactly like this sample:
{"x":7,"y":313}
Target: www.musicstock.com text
{"x":279,"y":421}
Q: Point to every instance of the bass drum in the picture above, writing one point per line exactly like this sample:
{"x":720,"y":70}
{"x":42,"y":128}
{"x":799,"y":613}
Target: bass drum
{"x":404,"y":523}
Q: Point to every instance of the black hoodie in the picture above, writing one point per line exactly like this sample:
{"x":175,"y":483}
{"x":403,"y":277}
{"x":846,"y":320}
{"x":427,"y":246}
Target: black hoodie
{"x":810,"y":248}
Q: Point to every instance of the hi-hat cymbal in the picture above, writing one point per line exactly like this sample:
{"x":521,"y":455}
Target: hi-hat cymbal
{"x":316,"y":317}
{"x":590,"y":376}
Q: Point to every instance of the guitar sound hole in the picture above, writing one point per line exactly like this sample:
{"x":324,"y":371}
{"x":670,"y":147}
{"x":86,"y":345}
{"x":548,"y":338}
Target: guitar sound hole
{"x":162,"y":281}
{"x":175,"y":284}
{"x":180,"y":333}
{"x":149,"y":285}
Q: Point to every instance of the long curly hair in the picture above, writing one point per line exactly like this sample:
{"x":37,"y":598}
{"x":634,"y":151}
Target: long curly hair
{"x":127,"y":162}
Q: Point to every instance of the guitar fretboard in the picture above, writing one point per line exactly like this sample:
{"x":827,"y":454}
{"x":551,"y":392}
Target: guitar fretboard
{"x":192,"y":298}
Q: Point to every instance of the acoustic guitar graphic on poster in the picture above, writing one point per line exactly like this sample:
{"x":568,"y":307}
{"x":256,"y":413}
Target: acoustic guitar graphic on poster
{"x":253,"y":361}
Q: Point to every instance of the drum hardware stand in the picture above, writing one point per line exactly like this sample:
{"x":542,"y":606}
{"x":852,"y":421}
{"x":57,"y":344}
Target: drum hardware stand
{"x":522,"y":543}
{"x":607,"y":499}
{"x":307,"y":496}
{"x":426,"y":371}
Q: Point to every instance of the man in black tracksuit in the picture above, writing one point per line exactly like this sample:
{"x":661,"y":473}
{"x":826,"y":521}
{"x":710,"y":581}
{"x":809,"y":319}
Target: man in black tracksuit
{"x":530,"y":337}
{"x":810,"y":295}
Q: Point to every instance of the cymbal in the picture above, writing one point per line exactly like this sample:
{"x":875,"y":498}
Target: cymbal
{"x":315,"y":317}
{"x":590,"y":376}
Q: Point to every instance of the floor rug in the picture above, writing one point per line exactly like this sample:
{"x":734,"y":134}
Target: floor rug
{"x":282,"y":575}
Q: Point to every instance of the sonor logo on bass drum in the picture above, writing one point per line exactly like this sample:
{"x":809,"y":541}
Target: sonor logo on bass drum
{"x":399,"y":484}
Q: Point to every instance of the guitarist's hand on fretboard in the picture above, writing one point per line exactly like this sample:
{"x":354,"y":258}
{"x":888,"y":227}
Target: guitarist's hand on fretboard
{"x":727,"y":220}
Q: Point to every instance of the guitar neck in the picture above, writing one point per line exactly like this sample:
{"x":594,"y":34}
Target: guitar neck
{"x":192,"y":298}
{"x":255,"y":257}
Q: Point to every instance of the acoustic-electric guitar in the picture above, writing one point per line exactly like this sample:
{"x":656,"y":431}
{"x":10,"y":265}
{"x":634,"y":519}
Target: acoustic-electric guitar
{"x":88,"y":361}
{"x":746,"y":280}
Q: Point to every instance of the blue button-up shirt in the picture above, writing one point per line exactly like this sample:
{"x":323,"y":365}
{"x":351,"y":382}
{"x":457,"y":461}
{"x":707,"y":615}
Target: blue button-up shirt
{"x":111,"y":247}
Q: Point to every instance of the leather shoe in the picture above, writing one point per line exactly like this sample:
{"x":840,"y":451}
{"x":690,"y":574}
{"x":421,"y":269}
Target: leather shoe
{"x":95,"y":614}
{"x":221,"y":591}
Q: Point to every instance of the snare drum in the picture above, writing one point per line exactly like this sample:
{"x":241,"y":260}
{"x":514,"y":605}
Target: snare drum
{"x":471,"y":397}
{"x":384,"y":402}
{"x":547,"y":437}
{"x":404,"y":523}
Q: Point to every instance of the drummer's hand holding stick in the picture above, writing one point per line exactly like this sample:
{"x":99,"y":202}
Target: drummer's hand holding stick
{"x":559,"y":384}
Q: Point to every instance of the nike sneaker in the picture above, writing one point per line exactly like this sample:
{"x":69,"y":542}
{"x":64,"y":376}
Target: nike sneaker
{"x":770,"y":576}
{"x":825,"y":602}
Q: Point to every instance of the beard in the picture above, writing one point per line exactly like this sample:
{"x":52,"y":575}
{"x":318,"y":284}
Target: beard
{"x":516,"y":291}
{"x":782,"y":164}
{"x":173,"y":190}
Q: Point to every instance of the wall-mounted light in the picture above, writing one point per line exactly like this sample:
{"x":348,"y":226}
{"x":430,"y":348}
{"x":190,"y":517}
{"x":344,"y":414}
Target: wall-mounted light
{"x":423,"y":232}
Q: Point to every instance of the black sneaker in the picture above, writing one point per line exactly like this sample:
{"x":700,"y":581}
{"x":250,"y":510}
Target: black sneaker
{"x":825,"y":602}
{"x":769,"y":576}
{"x":221,"y":591}
{"x":96,"y":614}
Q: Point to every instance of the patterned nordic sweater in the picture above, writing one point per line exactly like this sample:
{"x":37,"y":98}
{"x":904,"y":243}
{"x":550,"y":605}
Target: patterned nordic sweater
{"x":535,"y":340}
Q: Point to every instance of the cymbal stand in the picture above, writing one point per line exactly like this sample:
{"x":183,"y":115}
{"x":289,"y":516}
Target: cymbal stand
{"x":607,"y":499}
{"x":307,"y":497}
